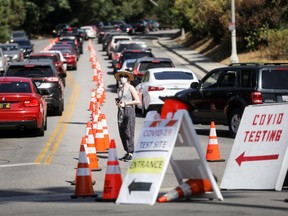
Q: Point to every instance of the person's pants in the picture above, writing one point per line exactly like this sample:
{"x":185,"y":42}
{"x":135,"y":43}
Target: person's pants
{"x":127,"y":128}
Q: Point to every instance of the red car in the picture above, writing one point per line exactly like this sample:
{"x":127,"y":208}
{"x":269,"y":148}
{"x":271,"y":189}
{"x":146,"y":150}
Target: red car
{"x":22,"y":106}
{"x":69,"y":54}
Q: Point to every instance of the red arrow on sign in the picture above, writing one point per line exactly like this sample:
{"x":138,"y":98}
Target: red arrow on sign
{"x":243,"y":158}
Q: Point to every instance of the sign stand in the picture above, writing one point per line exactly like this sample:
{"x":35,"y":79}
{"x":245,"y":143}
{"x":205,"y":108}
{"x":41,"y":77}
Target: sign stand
{"x":159,"y":139}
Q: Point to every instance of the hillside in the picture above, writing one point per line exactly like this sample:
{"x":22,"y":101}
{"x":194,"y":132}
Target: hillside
{"x":217,"y":53}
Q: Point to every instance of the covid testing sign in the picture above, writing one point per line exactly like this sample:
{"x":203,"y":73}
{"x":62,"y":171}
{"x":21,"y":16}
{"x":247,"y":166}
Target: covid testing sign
{"x":151,"y":158}
{"x":259,"y":156}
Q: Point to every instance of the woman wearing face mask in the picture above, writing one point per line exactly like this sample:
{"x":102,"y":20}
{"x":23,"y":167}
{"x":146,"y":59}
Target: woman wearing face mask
{"x":126,"y":100}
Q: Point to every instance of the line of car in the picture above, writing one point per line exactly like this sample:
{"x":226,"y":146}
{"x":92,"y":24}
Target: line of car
{"x":154,"y":76}
{"x":33,"y":87}
{"x":220,"y":96}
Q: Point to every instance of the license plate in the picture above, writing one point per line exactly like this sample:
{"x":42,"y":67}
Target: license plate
{"x":285,"y":98}
{"x":4,"y":105}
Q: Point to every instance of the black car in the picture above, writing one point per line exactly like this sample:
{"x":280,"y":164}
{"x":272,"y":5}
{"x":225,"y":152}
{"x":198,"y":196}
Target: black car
{"x":25,"y":44}
{"x":132,"y":54}
{"x":222,"y":94}
{"x":45,"y":76}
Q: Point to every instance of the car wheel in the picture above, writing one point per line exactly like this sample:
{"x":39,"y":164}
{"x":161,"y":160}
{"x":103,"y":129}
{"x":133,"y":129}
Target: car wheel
{"x":234,"y":121}
{"x":40,"y":131}
{"x":45,"y":126}
{"x":143,"y":110}
{"x":59,"y":110}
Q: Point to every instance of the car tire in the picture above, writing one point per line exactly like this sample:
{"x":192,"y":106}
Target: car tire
{"x":45,"y":126}
{"x":41,"y":131}
{"x":59,"y":110}
{"x":143,"y":110}
{"x":234,"y":121}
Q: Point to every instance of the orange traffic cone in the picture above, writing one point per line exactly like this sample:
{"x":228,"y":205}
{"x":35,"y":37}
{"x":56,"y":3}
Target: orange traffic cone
{"x":105,"y":131}
{"x":99,"y":137}
{"x":113,"y":178}
{"x":213,"y":152}
{"x":188,"y":188}
{"x":84,"y":187}
{"x":91,"y":152}
{"x":84,"y":143}
{"x":171,"y":105}
{"x":93,"y":99}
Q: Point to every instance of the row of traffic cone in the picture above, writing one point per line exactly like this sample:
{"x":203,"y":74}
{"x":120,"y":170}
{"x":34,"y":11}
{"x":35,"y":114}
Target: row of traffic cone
{"x":97,"y":140}
{"x":98,"y":132}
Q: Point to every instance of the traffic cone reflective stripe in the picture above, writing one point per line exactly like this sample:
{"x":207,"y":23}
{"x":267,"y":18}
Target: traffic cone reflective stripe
{"x":91,"y":152}
{"x":113,"y":178}
{"x":213,"y":152}
{"x":188,"y":188}
{"x":99,"y":137}
{"x":84,"y":187}
{"x":105,"y":131}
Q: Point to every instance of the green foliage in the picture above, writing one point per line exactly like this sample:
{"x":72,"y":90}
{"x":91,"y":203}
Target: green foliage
{"x":259,"y":23}
{"x":277,"y":43}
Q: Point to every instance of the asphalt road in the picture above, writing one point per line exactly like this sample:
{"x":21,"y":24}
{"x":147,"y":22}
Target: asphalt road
{"x":36,"y":172}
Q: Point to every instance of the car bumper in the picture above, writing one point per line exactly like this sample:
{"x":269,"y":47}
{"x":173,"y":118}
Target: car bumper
{"x":24,"y":124}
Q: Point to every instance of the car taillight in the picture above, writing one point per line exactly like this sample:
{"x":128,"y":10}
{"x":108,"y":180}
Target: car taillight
{"x":155,"y":88}
{"x":116,"y":56}
{"x":136,"y":71}
{"x":118,"y":65}
{"x":256,"y":98}
{"x":32,"y":102}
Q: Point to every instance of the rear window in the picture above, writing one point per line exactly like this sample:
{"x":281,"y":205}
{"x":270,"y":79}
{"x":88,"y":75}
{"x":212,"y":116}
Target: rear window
{"x":39,"y":71}
{"x":275,"y":79}
{"x":173,"y":75}
{"x":131,"y":46}
{"x":136,"y":55}
{"x":53,"y":58}
{"x":15,"y":87}
{"x":148,"y":65}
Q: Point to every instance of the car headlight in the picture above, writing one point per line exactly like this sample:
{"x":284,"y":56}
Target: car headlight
{"x":15,"y":57}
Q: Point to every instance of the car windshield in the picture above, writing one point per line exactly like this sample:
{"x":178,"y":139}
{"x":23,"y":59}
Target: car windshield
{"x":39,"y":71}
{"x":14,"y":87}
{"x":275,"y":79}
{"x":173,"y":75}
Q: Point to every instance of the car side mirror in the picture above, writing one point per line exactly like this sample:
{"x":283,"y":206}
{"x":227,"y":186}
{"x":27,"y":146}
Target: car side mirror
{"x":194,"y":85}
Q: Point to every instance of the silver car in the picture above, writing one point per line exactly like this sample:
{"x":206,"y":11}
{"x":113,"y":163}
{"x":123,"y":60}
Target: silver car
{"x":12,"y":51}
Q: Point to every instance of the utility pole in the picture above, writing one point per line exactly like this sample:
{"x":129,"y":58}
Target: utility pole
{"x":233,"y":58}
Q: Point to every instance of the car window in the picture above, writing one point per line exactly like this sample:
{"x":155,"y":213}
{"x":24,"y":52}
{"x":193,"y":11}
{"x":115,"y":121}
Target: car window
{"x":159,"y":65}
{"x":43,"y":71}
{"x":146,"y":77}
{"x":173,"y":75}
{"x":248,"y":78}
{"x":15,"y":87}
{"x":228,"y":79}
{"x":275,"y":79}
{"x":211,"y":81}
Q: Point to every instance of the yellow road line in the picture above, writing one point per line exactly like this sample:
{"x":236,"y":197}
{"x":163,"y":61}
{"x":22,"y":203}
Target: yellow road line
{"x":65,"y":116}
{"x":69,"y":114}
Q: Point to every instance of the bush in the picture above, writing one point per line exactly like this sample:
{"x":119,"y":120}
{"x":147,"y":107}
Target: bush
{"x":277,"y":43}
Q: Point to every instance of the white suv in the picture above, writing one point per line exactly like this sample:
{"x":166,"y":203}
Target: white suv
{"x":90,"y":30}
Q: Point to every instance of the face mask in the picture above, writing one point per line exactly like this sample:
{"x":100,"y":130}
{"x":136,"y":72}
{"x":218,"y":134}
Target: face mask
{"x":124,"y":80}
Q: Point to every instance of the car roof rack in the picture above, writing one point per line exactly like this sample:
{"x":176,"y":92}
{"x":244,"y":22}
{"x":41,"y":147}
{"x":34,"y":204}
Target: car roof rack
{"x":245,"y":64}
{"x":277,"y":63}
